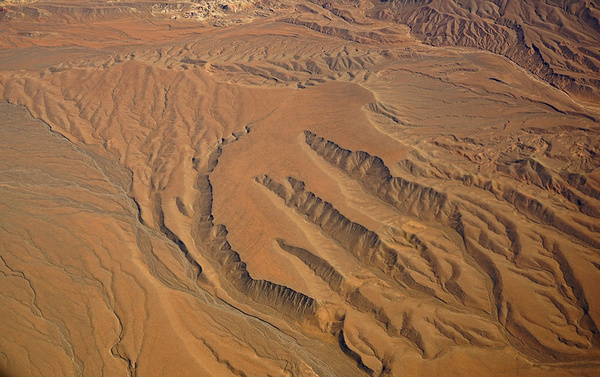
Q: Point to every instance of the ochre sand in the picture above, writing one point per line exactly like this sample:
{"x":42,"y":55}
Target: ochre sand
{"x":298,"y":189}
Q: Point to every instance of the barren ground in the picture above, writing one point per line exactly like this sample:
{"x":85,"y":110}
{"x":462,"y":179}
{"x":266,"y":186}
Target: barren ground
{"x":300,"y":188}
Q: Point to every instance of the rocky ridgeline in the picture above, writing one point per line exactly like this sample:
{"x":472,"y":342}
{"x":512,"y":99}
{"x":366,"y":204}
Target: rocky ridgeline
{"x":218,"y":12}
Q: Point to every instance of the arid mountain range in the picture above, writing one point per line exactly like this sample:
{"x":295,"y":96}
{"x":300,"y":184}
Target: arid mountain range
{"x":300,"y":188}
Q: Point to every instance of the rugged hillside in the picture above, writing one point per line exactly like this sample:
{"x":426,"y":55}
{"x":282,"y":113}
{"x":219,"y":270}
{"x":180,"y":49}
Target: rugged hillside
{"x":557,"y":40}
{"x":299,"y":188}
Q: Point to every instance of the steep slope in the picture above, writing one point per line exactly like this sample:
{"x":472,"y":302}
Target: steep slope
{"x":555,"y":40}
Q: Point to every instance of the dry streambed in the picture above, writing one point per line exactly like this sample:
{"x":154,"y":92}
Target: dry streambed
{"x":310,"y":191}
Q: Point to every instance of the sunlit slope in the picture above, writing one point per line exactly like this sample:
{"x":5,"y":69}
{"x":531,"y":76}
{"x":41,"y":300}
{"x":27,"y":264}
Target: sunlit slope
{"x":306,"y":191}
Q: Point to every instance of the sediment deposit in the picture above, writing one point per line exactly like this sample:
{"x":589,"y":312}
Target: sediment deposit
{"x":299,"y":188}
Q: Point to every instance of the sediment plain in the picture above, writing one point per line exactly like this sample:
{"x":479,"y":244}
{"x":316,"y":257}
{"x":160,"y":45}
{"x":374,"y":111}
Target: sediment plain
{"x":300,"y":188}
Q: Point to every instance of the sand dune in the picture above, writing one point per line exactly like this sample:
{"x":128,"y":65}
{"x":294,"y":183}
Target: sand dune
{"x":299,"y":188}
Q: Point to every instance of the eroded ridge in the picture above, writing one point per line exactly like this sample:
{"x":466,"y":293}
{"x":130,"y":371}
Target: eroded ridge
{"x":166,"y":215}
{"x":525,"y":31}
{"x":214,"y":240}
{"x":493,"y":236}
{"x":406,"y":271}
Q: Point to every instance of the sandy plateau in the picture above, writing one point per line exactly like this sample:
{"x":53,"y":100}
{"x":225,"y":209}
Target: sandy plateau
{"x":300,"y":188}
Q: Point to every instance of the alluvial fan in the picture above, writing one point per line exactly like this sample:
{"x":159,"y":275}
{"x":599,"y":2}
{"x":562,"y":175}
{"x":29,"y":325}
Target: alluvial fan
{"x":300,"y":188}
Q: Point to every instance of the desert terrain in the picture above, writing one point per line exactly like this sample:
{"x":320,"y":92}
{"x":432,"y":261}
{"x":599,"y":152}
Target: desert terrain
{"x":300,"y":188}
